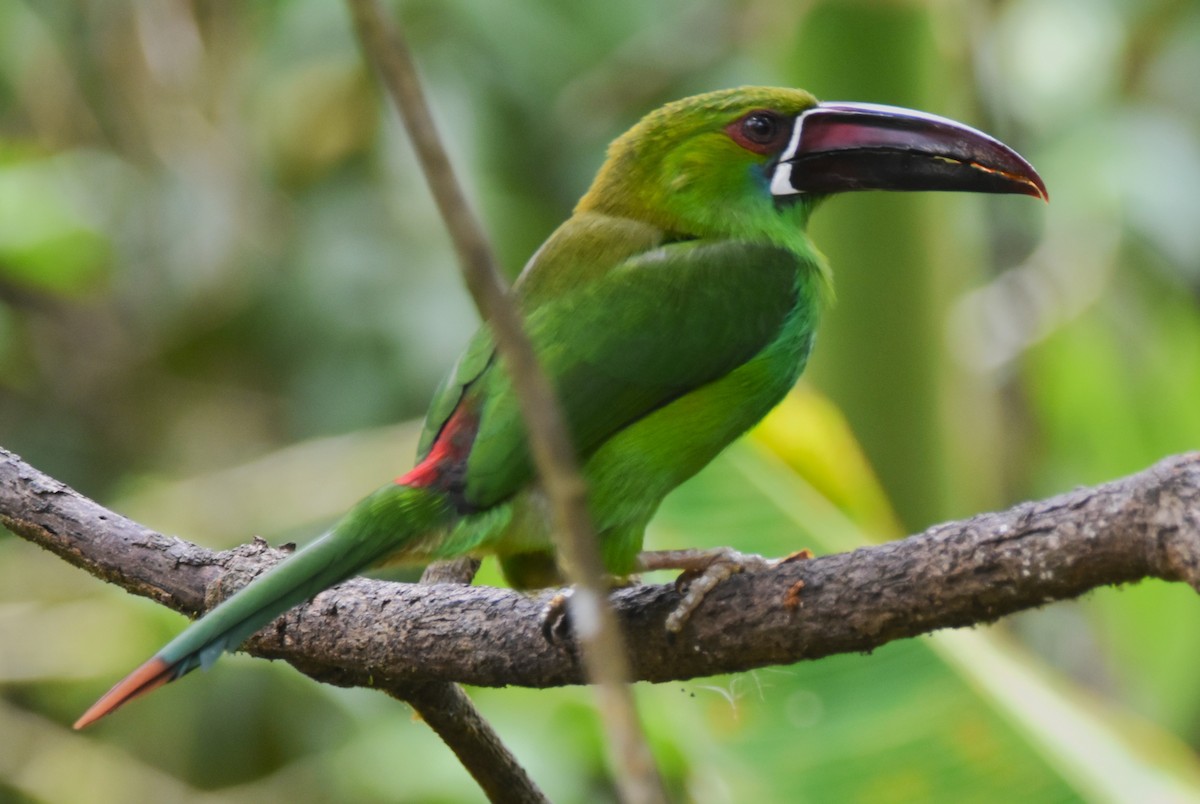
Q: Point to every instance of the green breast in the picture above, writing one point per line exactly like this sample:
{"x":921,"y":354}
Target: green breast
{"x":625,"y":328}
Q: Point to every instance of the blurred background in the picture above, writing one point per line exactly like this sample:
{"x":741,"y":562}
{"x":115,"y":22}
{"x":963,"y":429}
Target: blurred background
{"x":225,"y":298}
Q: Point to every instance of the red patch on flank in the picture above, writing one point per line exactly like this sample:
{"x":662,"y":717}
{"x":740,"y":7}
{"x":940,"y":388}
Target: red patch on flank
{"x":449,"y":450}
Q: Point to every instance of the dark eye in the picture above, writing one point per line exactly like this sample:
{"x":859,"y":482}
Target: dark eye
{"x":760,"y":128}
{"x":761,"y":131}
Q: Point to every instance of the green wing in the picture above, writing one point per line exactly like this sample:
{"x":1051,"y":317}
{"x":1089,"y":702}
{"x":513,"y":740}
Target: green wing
{"x":619,"y":345}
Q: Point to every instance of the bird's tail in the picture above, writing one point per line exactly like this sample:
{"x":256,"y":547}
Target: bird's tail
{"x":383,"y":524}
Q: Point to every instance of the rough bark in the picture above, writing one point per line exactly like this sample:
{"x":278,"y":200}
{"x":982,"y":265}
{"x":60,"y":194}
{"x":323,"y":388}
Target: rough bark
{"x":380,"y":634}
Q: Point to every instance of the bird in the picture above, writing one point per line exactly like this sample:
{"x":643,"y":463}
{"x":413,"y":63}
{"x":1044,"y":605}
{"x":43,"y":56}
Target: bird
{"x":673,"y":309}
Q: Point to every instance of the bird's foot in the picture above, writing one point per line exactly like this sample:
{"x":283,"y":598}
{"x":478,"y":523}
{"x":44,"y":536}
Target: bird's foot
{"x":702,"y":570}
{"x":556,"y":614}
{"x":556,"y":617}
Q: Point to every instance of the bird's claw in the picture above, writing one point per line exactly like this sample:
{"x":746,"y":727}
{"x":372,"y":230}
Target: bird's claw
{"x":556,"y":617}
{"x":724,"y":564}
{"x":703,"y":570}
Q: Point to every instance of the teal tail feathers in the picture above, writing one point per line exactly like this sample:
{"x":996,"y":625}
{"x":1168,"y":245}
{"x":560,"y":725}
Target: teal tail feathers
{"x":381,"y":525}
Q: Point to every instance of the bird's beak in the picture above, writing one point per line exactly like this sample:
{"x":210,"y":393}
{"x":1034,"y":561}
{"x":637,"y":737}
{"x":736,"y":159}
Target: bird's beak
{"x":837,"y":147}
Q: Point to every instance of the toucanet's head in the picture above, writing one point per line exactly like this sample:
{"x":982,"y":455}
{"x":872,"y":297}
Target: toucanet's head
{"x":752,"y":161}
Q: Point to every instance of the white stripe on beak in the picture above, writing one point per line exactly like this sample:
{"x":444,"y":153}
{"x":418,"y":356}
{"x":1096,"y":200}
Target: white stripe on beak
{"x":781,"y":179}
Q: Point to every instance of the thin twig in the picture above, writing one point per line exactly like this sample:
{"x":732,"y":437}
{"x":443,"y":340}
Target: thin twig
{"x":604,"y":651}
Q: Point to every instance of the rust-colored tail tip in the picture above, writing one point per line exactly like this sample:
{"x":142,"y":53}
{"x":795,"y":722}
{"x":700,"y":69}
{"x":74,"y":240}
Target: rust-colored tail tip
{"x":150,"y":676}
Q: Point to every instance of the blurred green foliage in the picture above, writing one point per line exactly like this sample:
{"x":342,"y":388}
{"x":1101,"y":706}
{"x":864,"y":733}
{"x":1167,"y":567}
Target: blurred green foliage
{"x":214,"y":245}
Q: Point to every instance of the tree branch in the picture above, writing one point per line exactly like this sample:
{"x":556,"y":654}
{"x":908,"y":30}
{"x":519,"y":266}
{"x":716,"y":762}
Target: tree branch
{"x":374,"y":633}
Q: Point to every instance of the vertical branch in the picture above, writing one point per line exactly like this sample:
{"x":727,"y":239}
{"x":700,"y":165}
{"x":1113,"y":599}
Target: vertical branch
{"x":605,"y":657}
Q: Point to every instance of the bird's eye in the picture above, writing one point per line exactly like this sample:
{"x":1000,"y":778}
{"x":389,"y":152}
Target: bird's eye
{"x":760,"y":128}
{"x":761,"y":132}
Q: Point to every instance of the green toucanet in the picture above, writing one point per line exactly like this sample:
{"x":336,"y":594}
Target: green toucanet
{"x":673,"y":309}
